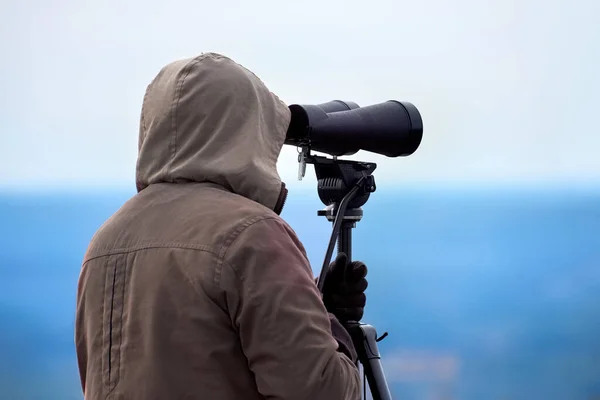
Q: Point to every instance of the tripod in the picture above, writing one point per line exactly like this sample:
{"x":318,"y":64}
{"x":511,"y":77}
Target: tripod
{"x":345,"y":186}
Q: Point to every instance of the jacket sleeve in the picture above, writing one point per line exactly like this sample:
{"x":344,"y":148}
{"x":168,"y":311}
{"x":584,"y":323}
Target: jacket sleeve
{"x":284,"y":328}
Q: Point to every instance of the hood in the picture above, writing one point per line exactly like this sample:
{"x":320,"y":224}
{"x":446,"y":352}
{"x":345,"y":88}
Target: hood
{"x":208,"y":119}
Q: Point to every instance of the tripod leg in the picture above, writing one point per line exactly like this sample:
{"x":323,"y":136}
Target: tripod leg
{"x":364,"y":338}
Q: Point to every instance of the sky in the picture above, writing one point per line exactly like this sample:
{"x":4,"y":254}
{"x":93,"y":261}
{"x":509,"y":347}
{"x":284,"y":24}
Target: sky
{"x":508,"y":90}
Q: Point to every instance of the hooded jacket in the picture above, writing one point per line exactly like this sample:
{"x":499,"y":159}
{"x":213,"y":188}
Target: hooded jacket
{"x":196,"y":288}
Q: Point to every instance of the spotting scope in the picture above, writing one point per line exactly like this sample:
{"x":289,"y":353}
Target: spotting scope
{"x":342,"y":128}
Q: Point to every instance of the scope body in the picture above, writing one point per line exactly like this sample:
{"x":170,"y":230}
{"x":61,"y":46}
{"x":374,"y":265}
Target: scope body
{"x":338,"y":128}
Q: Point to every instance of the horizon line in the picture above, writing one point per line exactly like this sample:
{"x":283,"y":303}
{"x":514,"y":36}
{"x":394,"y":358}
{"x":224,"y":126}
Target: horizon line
{"x":310,"y":187}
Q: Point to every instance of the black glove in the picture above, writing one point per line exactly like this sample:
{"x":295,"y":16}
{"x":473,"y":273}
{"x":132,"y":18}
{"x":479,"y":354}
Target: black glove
{"x":344,"y":290}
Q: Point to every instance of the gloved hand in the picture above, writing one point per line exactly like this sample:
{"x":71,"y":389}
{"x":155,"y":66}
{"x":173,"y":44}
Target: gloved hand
{"x":343,"y":293}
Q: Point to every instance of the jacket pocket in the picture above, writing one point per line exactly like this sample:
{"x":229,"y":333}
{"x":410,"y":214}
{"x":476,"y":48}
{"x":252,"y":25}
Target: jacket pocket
{"x":114,"y":299}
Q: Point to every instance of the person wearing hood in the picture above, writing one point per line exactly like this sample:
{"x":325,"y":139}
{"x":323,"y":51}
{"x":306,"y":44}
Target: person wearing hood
{"x":196,"y":288}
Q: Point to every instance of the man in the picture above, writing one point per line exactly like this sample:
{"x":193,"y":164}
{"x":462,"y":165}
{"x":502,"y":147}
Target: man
{"x":196,"y":288}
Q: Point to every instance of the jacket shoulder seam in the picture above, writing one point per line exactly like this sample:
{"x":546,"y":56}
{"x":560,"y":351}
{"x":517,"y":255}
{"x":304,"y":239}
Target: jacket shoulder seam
{"x":239,"y":230}
{"x":232,"y":237}
{"x":130,"y":249}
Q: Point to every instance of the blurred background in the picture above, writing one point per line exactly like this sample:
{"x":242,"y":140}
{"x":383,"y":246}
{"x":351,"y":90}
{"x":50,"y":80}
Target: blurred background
{"x":483,"y":247}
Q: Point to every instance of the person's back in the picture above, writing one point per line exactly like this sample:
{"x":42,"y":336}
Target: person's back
{"x":196,"y":288}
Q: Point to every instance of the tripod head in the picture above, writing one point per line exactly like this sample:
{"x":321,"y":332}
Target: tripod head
{"x":337,"y":177}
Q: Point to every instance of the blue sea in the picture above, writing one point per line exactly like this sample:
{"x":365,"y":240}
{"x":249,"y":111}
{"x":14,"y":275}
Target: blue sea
{"x":485,"y":294}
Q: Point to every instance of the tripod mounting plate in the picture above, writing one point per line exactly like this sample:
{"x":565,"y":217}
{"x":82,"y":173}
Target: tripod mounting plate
{"x":330,"y":212}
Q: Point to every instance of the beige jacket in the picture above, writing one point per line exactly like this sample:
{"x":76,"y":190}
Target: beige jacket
{"x":196,"y":288}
